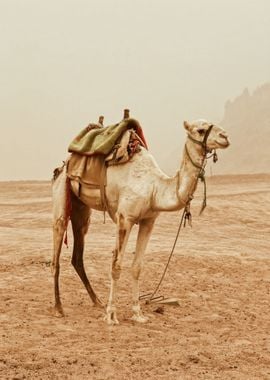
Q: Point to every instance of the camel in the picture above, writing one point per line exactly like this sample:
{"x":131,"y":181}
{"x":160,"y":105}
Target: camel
{"x":136,"y":193}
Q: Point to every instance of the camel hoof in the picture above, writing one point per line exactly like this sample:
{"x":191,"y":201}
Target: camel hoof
{"x":112,"y":322}
{"x":138,"y":315}
{"x":58,"y":312}
{"x":98,"y":304}
{"x":111,"y":319}
{"x":139,"y":318}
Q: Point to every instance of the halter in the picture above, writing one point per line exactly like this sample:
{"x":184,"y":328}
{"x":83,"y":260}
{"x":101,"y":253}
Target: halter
{"x":201,"y":174}
{"x":186,"y":215}
{"x":204,"y":142}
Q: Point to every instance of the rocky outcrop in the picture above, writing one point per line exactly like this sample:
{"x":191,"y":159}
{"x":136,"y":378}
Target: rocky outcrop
{"x":247,"y":120}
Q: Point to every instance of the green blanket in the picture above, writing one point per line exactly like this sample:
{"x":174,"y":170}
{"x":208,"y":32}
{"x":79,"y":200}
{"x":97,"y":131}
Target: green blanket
{"x":100,"y":140}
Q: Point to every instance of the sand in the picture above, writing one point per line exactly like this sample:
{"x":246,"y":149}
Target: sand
{"x":220,"y":273}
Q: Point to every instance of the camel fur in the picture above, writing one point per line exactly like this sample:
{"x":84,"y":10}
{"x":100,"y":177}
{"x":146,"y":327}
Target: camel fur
{"x":136,"y":192}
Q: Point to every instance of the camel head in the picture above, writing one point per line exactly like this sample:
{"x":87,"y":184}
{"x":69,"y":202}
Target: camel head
{"x":202,"y":132}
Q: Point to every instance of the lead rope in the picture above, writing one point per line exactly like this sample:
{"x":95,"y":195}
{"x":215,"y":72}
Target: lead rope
{"x":201,"y":176}
{"x":186,"y":217}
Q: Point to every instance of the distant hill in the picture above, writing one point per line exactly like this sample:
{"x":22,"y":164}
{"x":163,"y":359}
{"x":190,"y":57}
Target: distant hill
{"x":247,"y":120}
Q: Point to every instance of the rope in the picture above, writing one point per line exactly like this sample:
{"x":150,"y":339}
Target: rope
{"x":204,"y":204}
{"x":186,"y":215}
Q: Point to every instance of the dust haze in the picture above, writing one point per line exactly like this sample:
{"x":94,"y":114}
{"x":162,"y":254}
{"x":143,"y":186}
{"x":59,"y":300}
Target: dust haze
{"x":64,"y":63}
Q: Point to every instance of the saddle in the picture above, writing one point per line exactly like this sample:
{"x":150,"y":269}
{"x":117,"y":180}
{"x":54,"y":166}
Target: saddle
{"x":96,"y":148}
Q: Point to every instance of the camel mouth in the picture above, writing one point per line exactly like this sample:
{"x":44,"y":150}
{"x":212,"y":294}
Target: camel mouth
{"x":223,"y":145}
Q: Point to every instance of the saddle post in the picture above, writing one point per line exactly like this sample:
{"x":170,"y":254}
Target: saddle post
{"x":101,"y":120}
{"x":126,"y":114}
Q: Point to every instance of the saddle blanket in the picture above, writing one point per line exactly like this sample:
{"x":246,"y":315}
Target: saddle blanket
{"x":102,"y":140}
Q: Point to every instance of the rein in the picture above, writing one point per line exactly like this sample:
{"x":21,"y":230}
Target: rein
{"x":201,"y":173}
{"x":186,"y":215}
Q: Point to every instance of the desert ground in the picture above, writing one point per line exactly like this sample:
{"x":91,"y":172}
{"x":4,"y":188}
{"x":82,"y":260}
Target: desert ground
{"x":220,"y":272}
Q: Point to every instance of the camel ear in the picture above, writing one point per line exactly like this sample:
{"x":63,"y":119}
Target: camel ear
{"x":187,"y":126}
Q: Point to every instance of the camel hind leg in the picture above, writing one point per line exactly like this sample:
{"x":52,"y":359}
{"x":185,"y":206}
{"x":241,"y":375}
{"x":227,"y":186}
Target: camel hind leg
{"x":80,"y":220}
{"x":60,"y":219}
{"x":59,"y":228}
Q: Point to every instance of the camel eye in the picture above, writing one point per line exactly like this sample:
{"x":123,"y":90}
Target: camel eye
{"x":201,"y":132}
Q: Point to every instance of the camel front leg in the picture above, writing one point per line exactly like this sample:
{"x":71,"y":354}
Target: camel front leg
{"x":123,"y":232}
{"x":145,"y":229}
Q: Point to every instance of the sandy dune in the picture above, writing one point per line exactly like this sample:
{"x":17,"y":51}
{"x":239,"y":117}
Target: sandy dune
{"x":220,"y":272}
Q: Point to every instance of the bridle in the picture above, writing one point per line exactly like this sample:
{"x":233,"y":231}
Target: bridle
{"x":201,"y":173}
{"x":204,"y":142}
{"x":186,"y":215}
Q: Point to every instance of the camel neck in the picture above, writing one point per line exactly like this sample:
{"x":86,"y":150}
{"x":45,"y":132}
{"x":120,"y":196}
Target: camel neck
{"x":192,"y":163}
{"x":174,"y":193}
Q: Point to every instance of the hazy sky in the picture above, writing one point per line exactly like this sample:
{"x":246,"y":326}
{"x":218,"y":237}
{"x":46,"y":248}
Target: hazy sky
{"x":65,"y":62}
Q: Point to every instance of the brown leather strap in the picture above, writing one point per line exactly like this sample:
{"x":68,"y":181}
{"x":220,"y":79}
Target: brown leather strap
{"x":103,"y":184}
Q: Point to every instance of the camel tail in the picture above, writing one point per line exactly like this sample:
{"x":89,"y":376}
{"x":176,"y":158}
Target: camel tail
{"x":61,"y":195}
{"x":61,"y":214}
